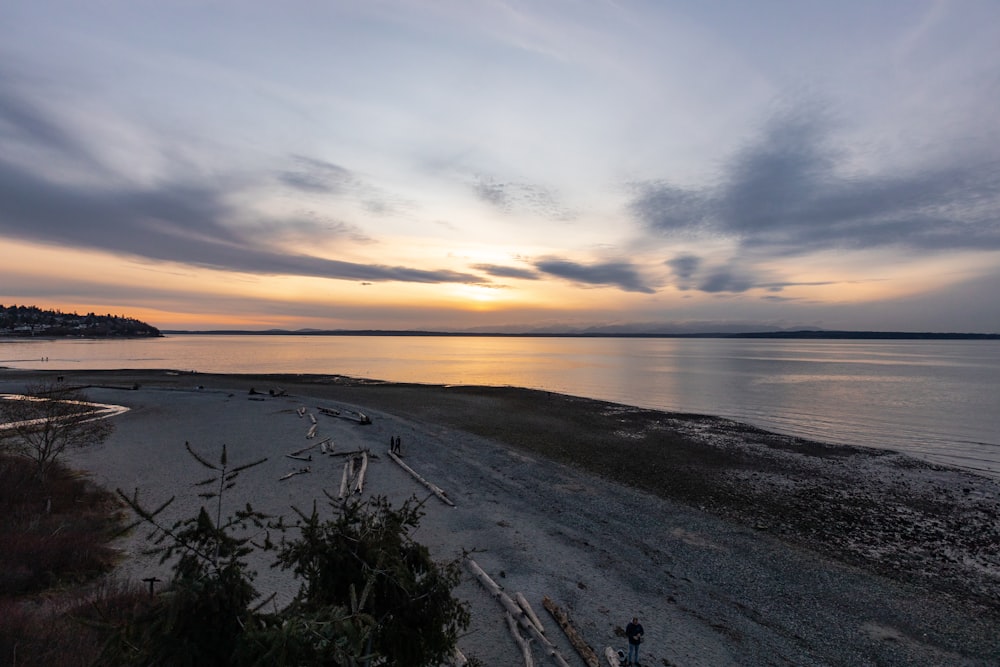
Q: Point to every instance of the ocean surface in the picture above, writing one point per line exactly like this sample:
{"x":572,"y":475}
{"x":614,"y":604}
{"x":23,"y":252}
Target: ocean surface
{"x":937,"y":400}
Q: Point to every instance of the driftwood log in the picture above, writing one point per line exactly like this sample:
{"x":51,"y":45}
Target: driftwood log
{"x":522,"y":602}
{"x":300,"y":471}
{"x":437,"y":491}
{"x":359,"y":482}
{"x":529,"y":661}
{"x":562,"y":618}
{"x":344,"y":479}
{"x":612,"y":657}
{"x":308,"y":447}
{"x":511,"y":607}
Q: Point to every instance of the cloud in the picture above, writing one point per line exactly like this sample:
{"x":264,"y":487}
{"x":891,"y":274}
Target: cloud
{"x":618,"y":274}
{"x":520,"y":198}
{"x":506,"y":271}
{"x":318,"y":176}
{"x":725,"y":280}
{"x":792,"y":192}
{"x":173,"y":222}
{"x":684,"y":268}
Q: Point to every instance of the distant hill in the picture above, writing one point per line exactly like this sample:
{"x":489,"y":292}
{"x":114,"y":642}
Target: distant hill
{"x":25,"y":321}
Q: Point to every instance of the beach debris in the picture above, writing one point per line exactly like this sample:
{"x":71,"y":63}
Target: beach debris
{"x":352,"y":415}
{"x":522,"y":602}
{"x":436,"y":490}
{"x":308,"y":447}
{"x":345,"y":478}
{"x":312,"y":418}
{"x":353,"y":478}
{"x":322,"y":448}
{"x":529,"y":661}
{"x":515,"y":611}
{"x":581,"y":646}
{"x":312,"y":432}
{"x":300,"y":457}
{"x":301,"y":411}
{"x":359,"y":482}
{"x":300,"y":471}
{"x":614,"y":660}
{"x":458,"y":658}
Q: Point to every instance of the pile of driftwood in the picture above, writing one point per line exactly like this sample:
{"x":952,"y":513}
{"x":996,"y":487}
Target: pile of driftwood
{"x":353,"y":479}
{"x":520,"y":616}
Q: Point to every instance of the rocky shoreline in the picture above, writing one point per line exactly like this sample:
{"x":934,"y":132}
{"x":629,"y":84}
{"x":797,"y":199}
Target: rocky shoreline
{"x":734,"y":545}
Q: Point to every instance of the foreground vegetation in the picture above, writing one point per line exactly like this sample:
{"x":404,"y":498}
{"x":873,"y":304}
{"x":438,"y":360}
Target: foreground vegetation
{"x":369,"y":594}
{"x":56,"y":539}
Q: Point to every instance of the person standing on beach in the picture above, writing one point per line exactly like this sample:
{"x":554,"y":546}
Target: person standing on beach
{"x":634,"y":632}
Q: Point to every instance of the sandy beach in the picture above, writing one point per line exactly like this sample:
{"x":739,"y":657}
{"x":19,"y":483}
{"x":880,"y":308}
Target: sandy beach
{"x":732,"y":545}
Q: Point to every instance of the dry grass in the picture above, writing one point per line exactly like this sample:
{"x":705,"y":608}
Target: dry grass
{"x":56,"y":537}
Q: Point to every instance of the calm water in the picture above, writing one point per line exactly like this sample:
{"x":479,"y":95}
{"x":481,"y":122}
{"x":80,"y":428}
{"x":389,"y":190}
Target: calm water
{"x":934,"y":399}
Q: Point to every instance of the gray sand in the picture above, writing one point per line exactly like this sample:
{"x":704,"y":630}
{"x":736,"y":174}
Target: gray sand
{"x":709,"y":589}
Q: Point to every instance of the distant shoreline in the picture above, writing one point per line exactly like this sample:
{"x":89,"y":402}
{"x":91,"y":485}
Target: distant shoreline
{"x":803,"y":335}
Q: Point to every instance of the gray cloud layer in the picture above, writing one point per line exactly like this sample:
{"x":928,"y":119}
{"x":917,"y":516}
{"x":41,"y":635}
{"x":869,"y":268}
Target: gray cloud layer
{"x":788,"y":194}
{"x":174,"y":222}
{"x":617,"y":274}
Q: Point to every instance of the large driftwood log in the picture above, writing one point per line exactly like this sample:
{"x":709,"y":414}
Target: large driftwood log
{"x":529,"y":661}
{"x":562,"y":618}
{"x":511,"y":607}
{"x":344,"y":480}
{"x":437,"y":491}
{"x":359,"y":484}
{"x":522,"y":602}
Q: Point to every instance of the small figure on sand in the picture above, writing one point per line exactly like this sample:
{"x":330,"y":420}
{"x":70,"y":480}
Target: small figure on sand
{"x":634,"y":632}
{"x":394,"y":444}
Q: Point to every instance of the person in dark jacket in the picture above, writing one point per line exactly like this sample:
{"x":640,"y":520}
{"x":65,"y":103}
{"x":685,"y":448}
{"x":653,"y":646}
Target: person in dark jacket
{"x":634,"y":632}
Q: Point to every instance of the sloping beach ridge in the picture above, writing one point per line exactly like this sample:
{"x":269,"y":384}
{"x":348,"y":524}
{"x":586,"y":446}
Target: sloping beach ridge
{"x":732,"y":545}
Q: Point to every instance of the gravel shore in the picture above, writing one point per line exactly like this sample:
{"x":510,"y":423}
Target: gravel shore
{"x":734,"y":546}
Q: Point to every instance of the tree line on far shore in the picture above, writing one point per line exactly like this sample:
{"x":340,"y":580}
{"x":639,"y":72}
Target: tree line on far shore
{"x":33,"y":321}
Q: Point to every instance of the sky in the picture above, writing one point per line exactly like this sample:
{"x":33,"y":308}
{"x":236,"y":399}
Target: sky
{"x":497,"y":165}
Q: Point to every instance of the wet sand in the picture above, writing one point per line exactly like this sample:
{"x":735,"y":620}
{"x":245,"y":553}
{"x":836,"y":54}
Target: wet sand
{"x":734,"y":546}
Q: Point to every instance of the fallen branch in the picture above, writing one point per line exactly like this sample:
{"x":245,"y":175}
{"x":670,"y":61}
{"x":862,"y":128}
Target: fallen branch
{"x":437,"y":491}
{"x":562,"y":618}
{"x":300,"y":471}
{"x":312,"y":432}
{"x":300,"y":458}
